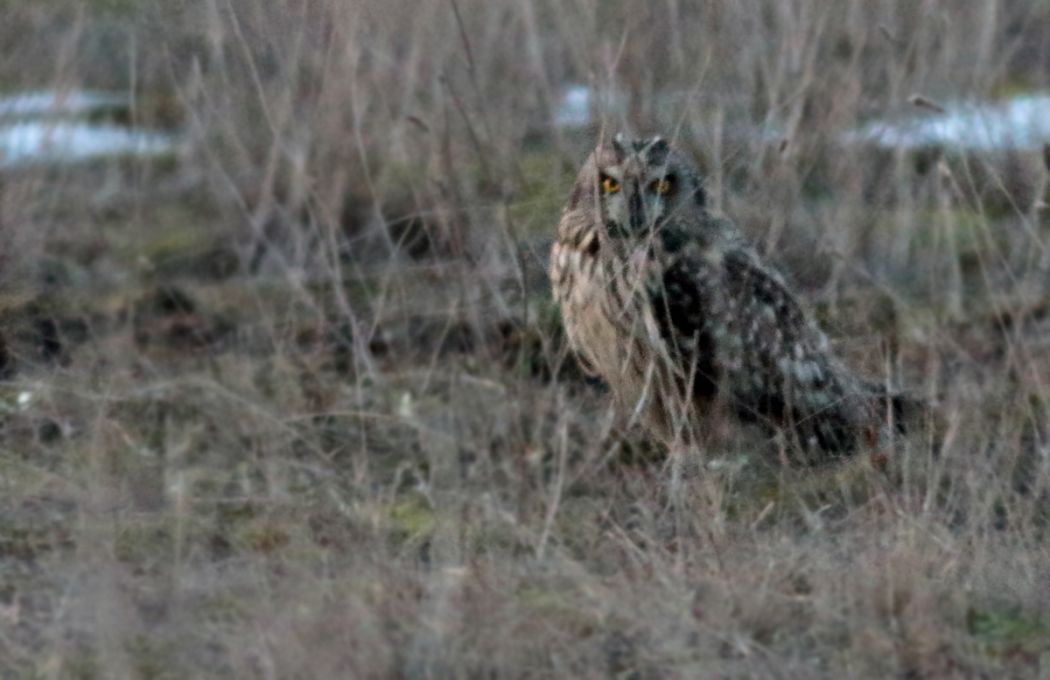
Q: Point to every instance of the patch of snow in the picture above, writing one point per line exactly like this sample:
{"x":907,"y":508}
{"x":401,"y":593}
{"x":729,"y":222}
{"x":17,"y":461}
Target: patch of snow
{"x":574,"y":108}
{"x":1021,"y":122}
{"x":36,"y":142}
{"x":582,"y":105}
{"x":41,"y":103}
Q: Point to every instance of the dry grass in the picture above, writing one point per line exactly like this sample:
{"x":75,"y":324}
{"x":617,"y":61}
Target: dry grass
{"x":296,"y":404}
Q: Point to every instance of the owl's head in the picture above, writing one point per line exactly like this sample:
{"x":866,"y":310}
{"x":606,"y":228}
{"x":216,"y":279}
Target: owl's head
{"x":636,"y":184}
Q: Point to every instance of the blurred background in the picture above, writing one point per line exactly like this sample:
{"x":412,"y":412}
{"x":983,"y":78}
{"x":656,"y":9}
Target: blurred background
{"x":283,"y":392}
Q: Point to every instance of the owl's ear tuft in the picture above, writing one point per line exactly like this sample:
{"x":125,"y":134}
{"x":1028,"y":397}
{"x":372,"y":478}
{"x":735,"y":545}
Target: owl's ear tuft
{"x":656,"y":150}
{"x":620,"y":144}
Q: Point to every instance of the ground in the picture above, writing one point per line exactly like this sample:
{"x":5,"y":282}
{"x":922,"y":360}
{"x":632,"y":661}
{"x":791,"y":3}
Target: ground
{"x":296,"y":401}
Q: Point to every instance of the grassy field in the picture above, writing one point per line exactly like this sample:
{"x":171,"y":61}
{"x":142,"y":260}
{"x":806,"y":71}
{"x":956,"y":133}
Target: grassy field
{"x":294,"y":401}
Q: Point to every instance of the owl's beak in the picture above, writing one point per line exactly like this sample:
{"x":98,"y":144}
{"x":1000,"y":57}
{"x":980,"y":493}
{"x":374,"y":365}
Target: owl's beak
{"x":636,"y":207}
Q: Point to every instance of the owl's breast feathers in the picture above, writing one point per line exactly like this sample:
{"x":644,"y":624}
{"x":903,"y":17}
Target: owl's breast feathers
{"x":576,"y":281}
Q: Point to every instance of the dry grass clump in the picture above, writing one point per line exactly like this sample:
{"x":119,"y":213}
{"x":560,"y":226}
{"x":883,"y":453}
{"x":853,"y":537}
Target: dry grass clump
{"x":295,"y":401}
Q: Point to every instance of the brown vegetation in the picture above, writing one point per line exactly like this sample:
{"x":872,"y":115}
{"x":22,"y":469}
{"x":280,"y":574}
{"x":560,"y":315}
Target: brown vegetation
{"x":295,"y":403}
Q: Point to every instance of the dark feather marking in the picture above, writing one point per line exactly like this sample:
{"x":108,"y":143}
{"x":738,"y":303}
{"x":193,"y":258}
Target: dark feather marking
{"x":699,"y":195}
{"x":682,"y":319}
{"x":615,"y":230}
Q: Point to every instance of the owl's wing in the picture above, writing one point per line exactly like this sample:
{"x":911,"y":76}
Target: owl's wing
{"x":736,"y":328}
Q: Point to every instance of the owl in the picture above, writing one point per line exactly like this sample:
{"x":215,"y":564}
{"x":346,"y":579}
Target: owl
{"x":691,"y":329}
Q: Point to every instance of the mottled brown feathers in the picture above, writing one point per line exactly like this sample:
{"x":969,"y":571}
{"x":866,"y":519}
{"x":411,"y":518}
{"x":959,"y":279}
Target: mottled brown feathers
{"x":678,"y":313}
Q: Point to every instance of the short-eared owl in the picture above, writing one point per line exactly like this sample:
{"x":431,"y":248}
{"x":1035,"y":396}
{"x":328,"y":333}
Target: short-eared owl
{"x":675,"y":310}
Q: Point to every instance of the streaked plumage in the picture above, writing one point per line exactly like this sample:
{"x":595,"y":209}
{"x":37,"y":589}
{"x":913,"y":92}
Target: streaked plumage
{"x":677,"y":312}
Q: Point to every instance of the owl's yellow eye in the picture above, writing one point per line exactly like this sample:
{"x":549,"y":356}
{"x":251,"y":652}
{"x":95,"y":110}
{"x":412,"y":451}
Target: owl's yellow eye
{"x":661,"y":186}
{"x":610,"y":186}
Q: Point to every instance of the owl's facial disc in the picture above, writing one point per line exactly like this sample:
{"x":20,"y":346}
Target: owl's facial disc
{"x":637,"y":185}
{"x":637,"y":188}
